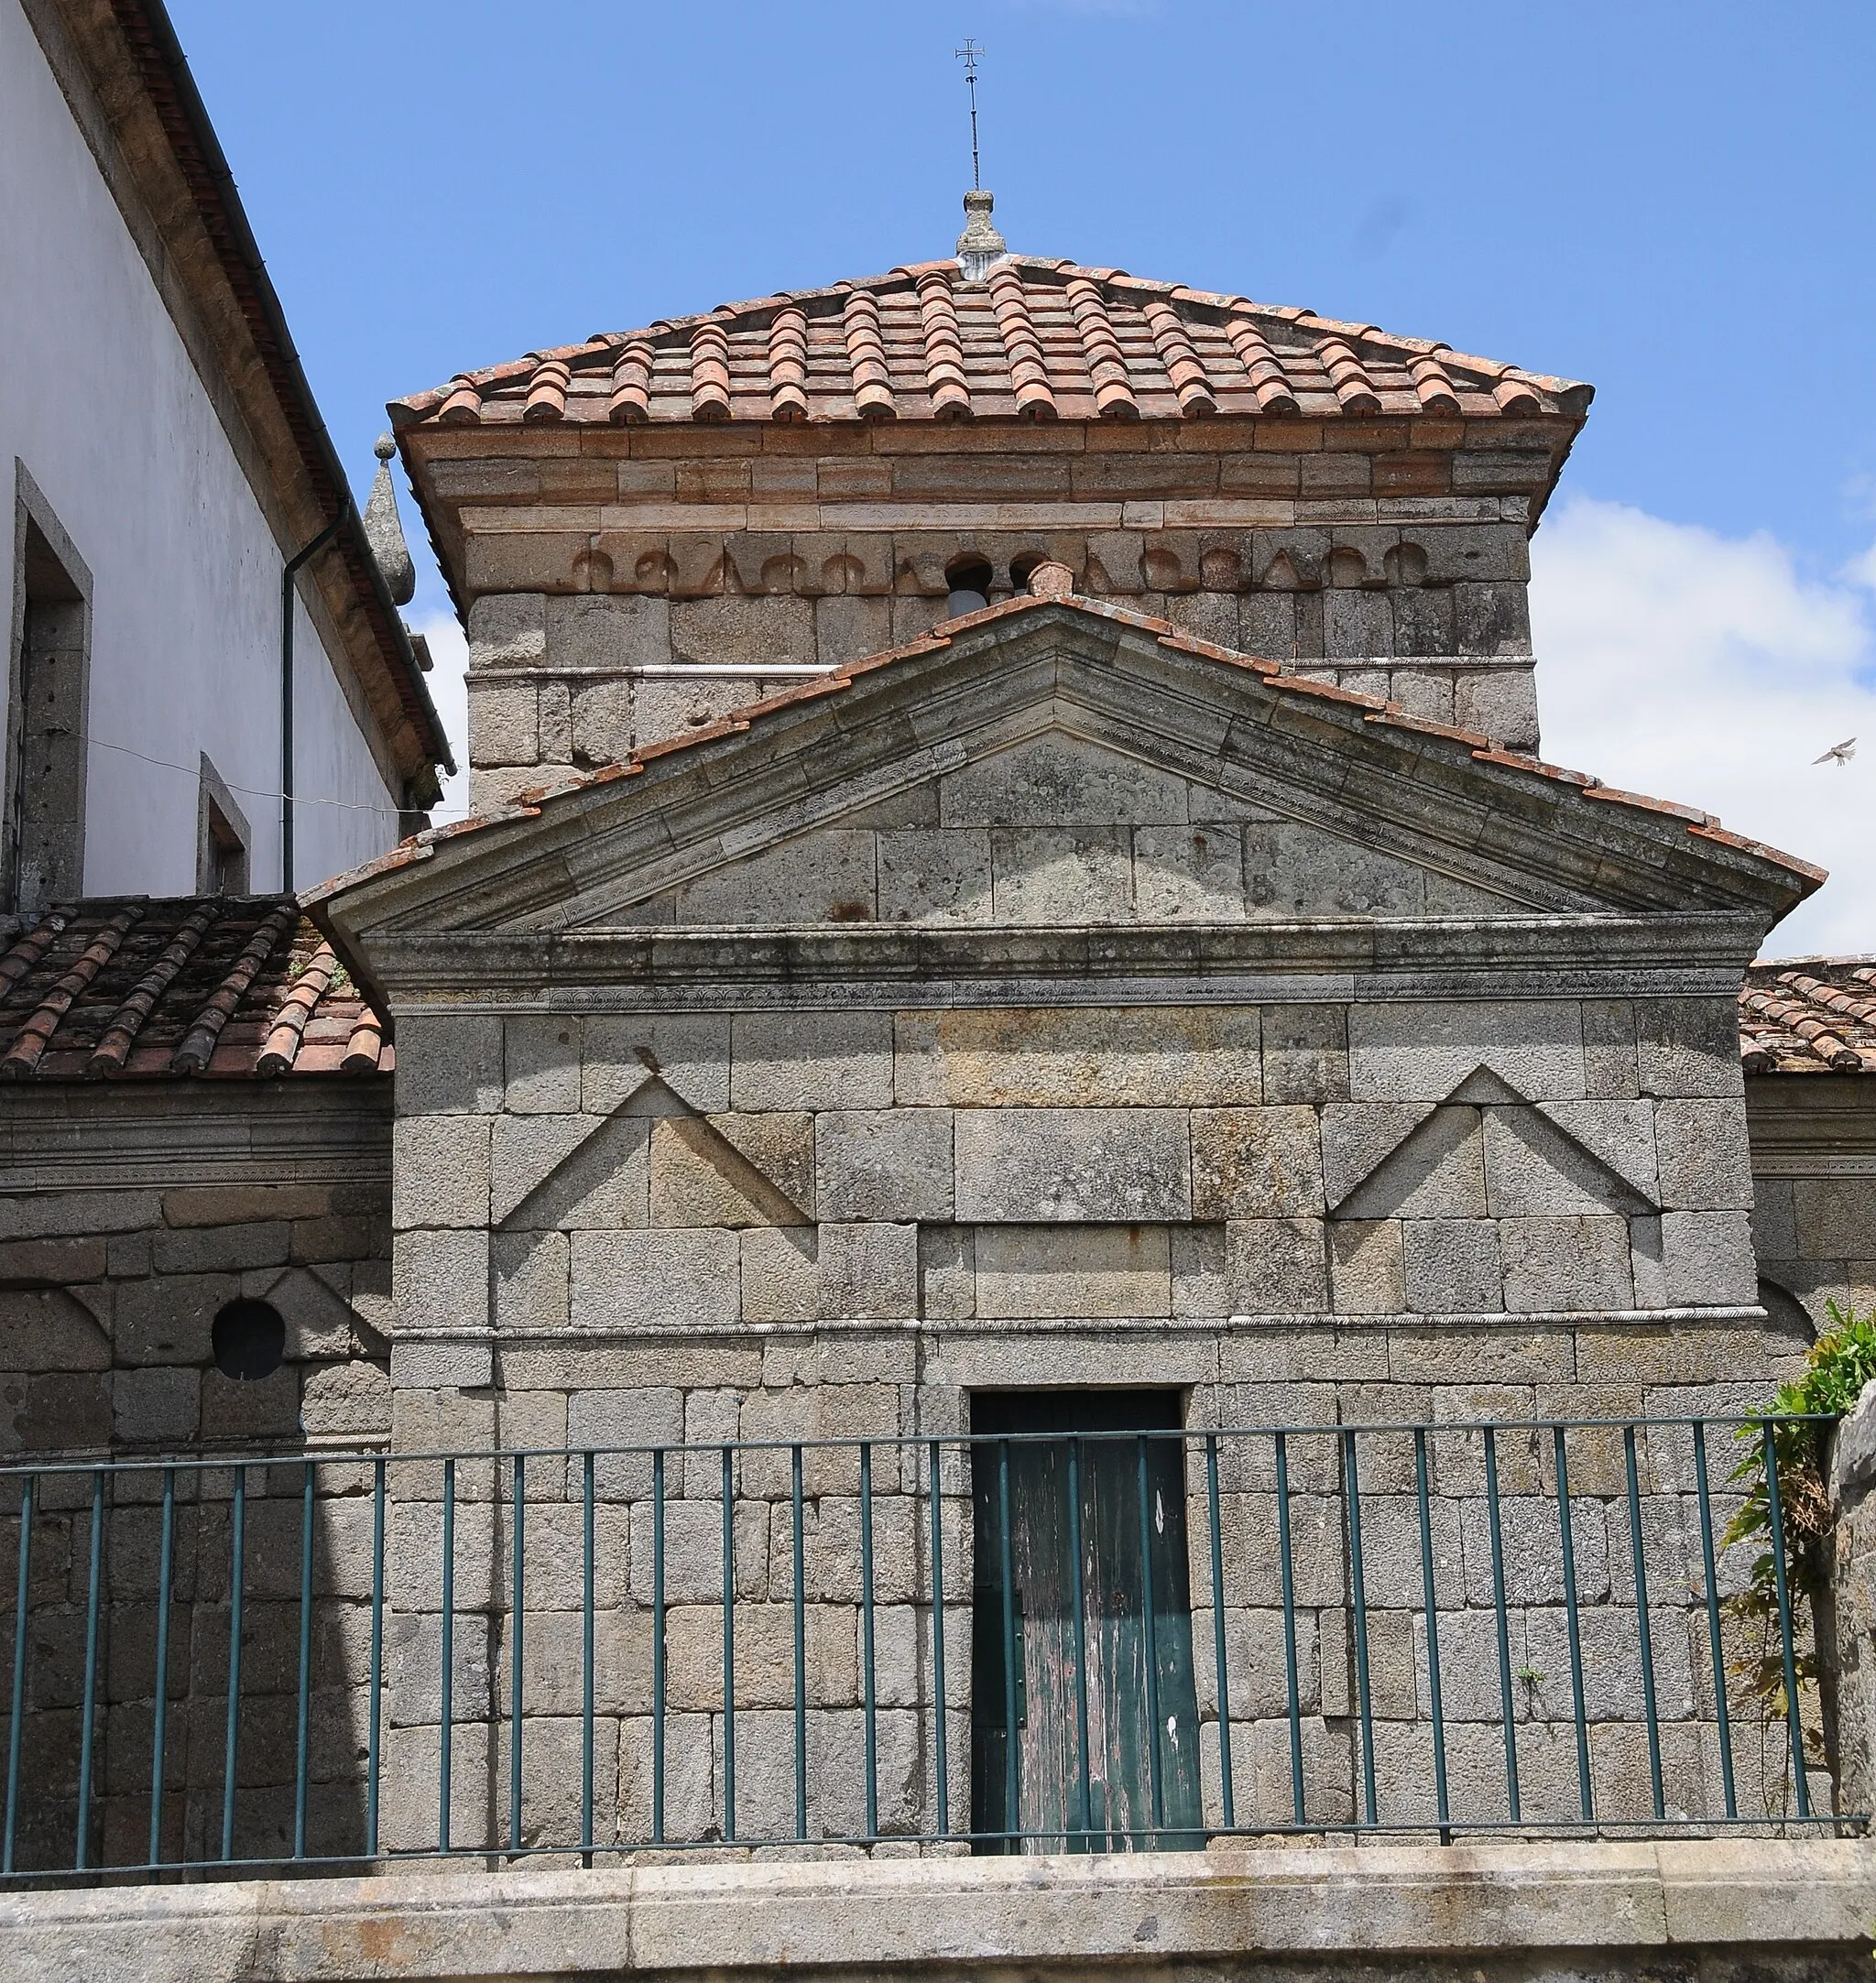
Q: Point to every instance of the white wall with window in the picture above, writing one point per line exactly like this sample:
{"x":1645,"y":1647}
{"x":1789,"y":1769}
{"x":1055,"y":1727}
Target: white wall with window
{"x":113,"y":453}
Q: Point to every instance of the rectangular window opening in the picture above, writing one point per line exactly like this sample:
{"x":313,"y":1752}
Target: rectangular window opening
{"x":223,"y":838}
{"x":49,"y":686}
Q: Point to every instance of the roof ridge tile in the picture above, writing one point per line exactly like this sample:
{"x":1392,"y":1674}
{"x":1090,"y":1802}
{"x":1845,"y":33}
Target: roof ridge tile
{"x":1029,"y":369}
{"x":289,"y":1030}
{"x":865,"y":352}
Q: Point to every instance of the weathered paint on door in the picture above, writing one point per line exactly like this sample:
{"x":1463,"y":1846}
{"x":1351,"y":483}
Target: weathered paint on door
{"x":1106,"y":1755}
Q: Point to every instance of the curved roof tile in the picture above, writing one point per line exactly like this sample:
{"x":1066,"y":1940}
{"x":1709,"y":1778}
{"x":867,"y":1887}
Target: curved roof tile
{"x":1809,"y":1016}
{"x":217,"y":985}
{"x":1039,"y":340}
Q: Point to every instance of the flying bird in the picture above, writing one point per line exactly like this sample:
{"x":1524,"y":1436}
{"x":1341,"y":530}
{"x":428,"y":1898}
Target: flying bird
{"x":1838,"y":753}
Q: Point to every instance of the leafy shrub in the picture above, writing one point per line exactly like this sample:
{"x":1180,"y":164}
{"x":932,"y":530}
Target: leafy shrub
{"x":1800,"y":1417}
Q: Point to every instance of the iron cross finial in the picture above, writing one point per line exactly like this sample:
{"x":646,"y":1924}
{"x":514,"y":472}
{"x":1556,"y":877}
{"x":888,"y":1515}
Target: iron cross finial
{"x":968,"y":56}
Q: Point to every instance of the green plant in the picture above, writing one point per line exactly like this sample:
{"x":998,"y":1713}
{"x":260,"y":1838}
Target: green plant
{"x":1841,"y":1362}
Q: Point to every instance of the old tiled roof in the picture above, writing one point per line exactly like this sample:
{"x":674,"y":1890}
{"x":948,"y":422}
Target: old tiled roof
{"x":1037,"y":340}
{"x":1809,"y":1016}
{"x":193,"y":984}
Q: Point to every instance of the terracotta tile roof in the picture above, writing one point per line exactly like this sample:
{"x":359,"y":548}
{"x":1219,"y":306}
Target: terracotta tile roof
{"x":1391,"y":715}
{"x":217,"y":985}
{"x":1809,"y":1016}
{"x":1037,"y":340}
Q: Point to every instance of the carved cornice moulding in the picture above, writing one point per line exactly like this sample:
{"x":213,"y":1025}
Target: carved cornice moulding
{"x":1235,"y":964}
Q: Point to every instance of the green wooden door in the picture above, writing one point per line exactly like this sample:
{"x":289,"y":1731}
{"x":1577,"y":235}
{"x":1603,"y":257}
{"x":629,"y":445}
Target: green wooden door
{"x":1104,"y":1754}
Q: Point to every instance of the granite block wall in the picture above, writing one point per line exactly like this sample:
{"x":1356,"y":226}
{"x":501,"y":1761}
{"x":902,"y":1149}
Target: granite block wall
{"x":684,"y":1228}
{"x":118,"y":1248}
{"x":799,"y":1223}
{"x":701,"y":1170}
{"x":1814,"y":1163}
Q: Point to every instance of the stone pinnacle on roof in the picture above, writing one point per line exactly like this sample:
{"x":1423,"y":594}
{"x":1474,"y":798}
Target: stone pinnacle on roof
{"x":384,"y":532}
{"x":979,"y":247}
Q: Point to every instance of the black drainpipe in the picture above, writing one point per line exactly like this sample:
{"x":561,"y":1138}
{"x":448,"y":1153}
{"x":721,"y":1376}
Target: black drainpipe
{"x":289,"y":571}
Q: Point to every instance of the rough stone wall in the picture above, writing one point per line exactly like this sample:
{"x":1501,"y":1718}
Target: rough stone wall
{"x":107,"y":1297}
{"x":127,"y":1220}
{"x":792,"y":1223}
{"x":621,"y":586}
{"x":1202,"y":1162}
{"x":1814,"y":1166}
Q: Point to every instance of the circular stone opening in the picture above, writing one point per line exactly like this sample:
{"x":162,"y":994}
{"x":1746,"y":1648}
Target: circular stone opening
{"x":250,"y":1339}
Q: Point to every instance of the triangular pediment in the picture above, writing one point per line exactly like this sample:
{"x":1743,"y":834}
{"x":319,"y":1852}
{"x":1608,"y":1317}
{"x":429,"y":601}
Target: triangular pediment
{"x":1054,"y":828}
{"x":1063,"y":764}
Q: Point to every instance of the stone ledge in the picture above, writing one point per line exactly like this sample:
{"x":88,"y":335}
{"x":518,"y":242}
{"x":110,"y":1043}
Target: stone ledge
{"x":1129,"y":1912}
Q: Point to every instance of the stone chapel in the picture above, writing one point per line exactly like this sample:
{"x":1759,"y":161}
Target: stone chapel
{"x":1013,"y":891}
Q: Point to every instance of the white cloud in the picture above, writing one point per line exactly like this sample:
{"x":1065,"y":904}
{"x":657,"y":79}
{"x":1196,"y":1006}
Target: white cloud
{"x":449,"y":689}
{"x":1689,"y":665}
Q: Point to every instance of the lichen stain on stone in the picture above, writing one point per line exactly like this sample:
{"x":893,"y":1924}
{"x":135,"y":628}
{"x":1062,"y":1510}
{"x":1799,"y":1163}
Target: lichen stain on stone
{"x":385,"y":1942}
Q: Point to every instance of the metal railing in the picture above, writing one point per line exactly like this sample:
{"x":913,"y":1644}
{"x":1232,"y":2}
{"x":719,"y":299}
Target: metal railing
{"x":1069,"y":1641}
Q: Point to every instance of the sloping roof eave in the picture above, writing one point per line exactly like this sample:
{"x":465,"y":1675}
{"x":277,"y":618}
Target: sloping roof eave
{"x":1801,"y":879}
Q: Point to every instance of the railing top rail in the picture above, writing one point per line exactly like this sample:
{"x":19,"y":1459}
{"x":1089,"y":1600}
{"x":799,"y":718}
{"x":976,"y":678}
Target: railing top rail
{"x":84,"y":1462}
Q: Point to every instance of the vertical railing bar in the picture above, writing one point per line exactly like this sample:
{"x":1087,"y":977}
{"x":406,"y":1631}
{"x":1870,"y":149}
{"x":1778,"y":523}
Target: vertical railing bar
{"x":1085,"y":1810}
{"x":1358,"y":1590}
{"x":1222,"y":1676}
{"x":1715,"y":1646}
{"x":448,"y":1688}
{"x":159,"y":1713}
{"x":1585,"y":1794}
{"x":26,"y":1497}
{"x":586,"y":1662}
{"x":729,"y":1655}
{"x":870,"y":1692}
{"x":518,"y":1631}
{"x":1775,"y":1518}
{"x":1789,"y":1625}
{"x":303,"y":1731}
{"x":374,"y":1706}
{"x":1150,"y":1637}
{"x":1011,"y":1829}
{"x":1430,"y":1597}
{"x":1286,"y":1563}
{"x":801,"y":1622}
{"x":238,"y":1568}
{"x":1508,"y":1711}
{"x":943,"y":1756}
{"x":1639,"y":1557}
{"x":657,"y":1674}
{"x":93,"y":1593}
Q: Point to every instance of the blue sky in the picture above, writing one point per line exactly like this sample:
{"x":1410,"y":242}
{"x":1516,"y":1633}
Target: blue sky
{"x":1672,"y":202}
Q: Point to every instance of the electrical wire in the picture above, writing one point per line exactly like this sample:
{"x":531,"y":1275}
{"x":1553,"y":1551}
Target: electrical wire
{"x":258,"y":791}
